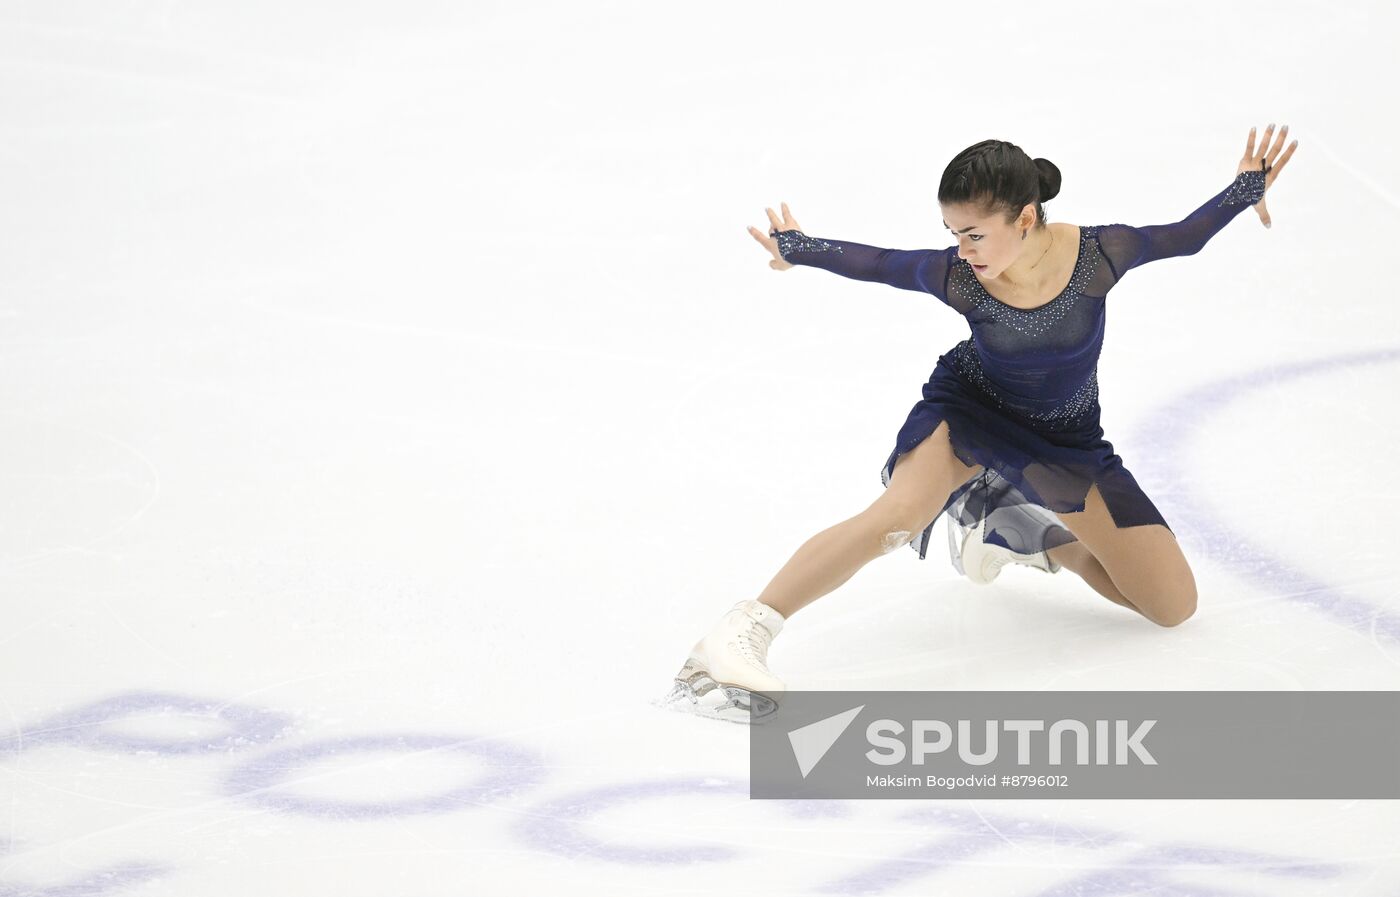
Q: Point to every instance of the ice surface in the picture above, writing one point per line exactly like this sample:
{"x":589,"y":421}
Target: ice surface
{"x":390,"y":395}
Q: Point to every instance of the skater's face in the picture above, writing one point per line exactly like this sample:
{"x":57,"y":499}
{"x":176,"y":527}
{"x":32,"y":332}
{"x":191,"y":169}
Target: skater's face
{"x":987,"y":239}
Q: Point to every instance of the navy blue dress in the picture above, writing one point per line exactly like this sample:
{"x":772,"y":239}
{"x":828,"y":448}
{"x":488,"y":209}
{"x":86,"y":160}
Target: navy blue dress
{"x":1021,"y":394}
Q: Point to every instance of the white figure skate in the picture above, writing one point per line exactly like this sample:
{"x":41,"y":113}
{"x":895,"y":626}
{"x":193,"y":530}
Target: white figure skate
{"x":728,"y":668}
{"x":981,"y":561}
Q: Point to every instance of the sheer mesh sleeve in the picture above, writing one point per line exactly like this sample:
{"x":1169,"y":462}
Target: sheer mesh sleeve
{"x":925,"y":270}
{"x":1126,"y":247}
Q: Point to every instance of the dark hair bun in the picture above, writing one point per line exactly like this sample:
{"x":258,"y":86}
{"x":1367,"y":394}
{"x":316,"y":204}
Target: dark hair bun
{"x":1049,"y":179}
{"x":1000,"y":177}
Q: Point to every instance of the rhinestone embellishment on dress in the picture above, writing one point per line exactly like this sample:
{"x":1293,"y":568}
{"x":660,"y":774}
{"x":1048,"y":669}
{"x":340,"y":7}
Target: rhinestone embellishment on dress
{"x":797,"y":241}
{"x":1248,"y":187}
{"x":1032,"y":321}
{"x":1084,"y":400}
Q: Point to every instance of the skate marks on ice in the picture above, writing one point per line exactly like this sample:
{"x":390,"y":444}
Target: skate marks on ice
{"x":104,"y":880}
{"x":68,"y":489}
{"x":271,"y":765}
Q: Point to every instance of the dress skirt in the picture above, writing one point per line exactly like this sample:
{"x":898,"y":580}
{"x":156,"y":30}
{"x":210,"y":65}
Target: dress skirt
{"x":1033,"y":469}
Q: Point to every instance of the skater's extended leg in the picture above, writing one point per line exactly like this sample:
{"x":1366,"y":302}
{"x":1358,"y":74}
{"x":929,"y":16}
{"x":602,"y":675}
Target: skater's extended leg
{"x":727,"y":671}
{"x":919,"y":487}
{"x":1144,"y":563}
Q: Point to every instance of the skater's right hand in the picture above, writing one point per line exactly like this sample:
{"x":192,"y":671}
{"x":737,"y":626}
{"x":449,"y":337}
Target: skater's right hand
{"x":770,"y":243}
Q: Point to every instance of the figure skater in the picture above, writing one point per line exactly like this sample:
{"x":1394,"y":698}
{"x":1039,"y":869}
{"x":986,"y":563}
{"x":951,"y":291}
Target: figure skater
{"x":1006,"y":438}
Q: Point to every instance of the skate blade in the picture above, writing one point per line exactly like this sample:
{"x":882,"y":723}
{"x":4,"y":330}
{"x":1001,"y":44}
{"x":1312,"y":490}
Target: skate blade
{"x":694,"y":691}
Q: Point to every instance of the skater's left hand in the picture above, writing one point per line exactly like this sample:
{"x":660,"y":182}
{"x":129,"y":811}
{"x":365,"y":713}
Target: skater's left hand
{"x":1264,"y":161}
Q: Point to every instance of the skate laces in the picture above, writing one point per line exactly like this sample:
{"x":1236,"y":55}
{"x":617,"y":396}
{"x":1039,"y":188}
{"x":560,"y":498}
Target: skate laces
{"x":753,"y":642}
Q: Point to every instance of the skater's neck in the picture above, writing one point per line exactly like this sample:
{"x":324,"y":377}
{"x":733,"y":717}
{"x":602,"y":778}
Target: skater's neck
{"x":1034,"y":269}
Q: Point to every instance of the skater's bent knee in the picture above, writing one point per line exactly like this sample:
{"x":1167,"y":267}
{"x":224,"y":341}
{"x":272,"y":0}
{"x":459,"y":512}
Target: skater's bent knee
{"x":1176,"y":619}
{"x":1176,"y":613}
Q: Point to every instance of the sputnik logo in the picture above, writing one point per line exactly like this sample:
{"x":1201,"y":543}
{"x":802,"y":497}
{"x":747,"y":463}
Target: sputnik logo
{"x":811,"y":742}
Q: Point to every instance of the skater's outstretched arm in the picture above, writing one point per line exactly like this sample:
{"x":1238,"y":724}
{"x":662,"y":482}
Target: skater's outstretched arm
{"x":924,"y":270}
{"x":1127,"y":247}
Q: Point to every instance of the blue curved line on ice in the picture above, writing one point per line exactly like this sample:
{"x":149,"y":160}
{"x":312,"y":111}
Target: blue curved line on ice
{"x":1164,"y":439}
